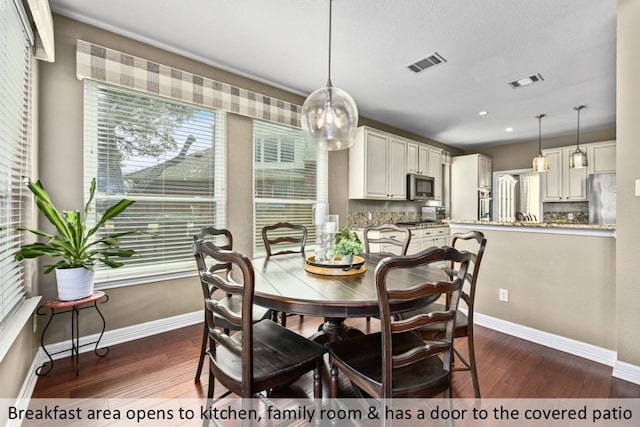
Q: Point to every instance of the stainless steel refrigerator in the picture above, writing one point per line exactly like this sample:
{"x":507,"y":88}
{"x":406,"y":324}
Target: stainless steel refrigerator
{"x":602,"y":198}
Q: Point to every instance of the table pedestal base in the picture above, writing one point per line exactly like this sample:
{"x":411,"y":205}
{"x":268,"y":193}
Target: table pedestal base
{"x":334,"y":329}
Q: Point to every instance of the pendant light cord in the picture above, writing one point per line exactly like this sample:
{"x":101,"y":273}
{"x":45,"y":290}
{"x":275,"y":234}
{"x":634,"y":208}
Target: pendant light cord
{"x":539,"y":117}
{"x":578,"y":108}
{"x":329,"y":72}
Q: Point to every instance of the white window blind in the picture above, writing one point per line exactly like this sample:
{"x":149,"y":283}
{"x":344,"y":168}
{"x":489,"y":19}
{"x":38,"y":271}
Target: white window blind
{"x":15,"y":151}
{"x":168,"y":157}
{"x":285,"y":179}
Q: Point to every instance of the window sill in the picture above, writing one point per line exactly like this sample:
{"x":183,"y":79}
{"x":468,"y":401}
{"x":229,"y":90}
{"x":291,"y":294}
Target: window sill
{"x":16,"y":323}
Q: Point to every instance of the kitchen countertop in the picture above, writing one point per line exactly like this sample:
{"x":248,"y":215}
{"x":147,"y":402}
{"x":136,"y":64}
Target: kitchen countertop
{"x":542,"y":227}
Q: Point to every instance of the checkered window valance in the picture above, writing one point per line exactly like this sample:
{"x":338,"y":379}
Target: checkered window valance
{"x":110,"y":66}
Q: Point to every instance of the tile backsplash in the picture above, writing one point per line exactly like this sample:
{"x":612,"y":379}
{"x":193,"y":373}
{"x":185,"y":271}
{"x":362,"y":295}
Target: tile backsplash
{"x":561,"y":212}
{"x":370,"y":212}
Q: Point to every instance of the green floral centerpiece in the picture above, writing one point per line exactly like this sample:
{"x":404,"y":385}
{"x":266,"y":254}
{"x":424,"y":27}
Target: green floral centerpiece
{"x":347,"y":245}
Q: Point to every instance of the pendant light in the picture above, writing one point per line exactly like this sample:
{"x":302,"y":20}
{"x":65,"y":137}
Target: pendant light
{"x":540,"y":162}
{"x":330,"y":115}
{"x":578,"y":159}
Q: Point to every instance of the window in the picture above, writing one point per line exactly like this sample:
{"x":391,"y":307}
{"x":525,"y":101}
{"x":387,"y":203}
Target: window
{"x":285,"y":178}
{"x":168,"y":157}
{"x":15,"y":151}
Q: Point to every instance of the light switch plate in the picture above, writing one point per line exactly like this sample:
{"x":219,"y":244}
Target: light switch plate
{"x":637,"y":187}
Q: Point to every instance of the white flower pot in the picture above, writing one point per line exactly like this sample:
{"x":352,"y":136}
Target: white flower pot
{"x":74,"y":283}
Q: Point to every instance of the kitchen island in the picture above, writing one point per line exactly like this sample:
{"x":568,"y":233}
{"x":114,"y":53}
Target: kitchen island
{"x":560,"y":280}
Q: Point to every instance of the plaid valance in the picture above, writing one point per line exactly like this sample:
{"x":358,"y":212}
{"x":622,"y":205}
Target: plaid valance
{"x":110,"y":66}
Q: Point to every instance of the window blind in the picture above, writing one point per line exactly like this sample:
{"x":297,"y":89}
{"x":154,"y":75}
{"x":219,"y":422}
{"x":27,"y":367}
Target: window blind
{"x":285,"y":179}
{"x":15,"y":151}
{"x":168,"y":157}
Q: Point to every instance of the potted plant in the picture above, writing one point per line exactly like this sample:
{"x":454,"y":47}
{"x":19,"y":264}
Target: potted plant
{"x":74,"y":243}
{"x":347,"y":245}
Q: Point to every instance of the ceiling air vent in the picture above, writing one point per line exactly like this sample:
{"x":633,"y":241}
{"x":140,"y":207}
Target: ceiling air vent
{"x":526,"y":81}
{"x":428,"y":62}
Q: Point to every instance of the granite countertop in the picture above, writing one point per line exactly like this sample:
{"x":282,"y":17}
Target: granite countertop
{"x":575,"y":226}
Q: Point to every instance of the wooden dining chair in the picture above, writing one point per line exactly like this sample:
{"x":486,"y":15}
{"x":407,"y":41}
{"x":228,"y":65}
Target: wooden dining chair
{"x":284,"y":238}
{"x":262,"y":355}
{"x":474,"y":242}
{"x":223,"y":239}
{"x":400,"y":239}
{"x":395,"y":362}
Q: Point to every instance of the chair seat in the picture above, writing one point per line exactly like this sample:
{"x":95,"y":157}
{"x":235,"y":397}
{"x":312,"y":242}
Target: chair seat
{"x":234,"y":303}
{"x":434,"y":330}
{"x":362,"y":357}
{"x":279,"y":356}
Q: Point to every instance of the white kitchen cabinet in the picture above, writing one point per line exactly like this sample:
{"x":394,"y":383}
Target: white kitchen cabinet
{"x":602,"y":157}
{"x":417,"y":158}
{"x":377,"y":166}
{"x":423,"y":238}
{"x":485,"y":168}
{"x":561,"y":183}
{"x":435,"y":170}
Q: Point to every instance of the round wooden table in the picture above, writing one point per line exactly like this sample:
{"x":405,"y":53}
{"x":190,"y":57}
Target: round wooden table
{"x":283,"y":284}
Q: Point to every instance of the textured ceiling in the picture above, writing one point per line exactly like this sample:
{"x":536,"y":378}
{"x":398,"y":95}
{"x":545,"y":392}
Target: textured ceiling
{"x":486,"y":43}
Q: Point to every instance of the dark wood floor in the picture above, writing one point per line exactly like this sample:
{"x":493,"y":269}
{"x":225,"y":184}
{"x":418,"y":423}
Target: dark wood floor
{"x":163,"y":366}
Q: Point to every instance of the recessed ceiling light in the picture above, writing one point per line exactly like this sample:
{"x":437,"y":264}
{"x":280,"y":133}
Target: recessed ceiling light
{"x":483,"y":113}
{"x":526,"y":81}
{"x":508,"y":130}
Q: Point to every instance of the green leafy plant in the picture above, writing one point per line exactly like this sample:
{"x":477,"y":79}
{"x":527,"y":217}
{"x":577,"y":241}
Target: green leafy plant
{"x":347,"y":246}
{"x":74,"y":242}
{"x":347,"y":233}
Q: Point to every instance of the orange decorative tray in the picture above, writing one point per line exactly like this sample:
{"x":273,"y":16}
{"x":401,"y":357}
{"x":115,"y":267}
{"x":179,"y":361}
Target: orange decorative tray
{"x":336,"y":268}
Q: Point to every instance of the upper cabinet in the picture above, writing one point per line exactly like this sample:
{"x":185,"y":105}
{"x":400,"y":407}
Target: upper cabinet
{"x":435,"y":170}
{"x":417,"y":158}
{"x":602,"y":157}
{"x":563,"y":184}
{"x":377,"y":166}
{"x":560,"y":183}
{"x":380,"y":161}
{"x":485,"y":167}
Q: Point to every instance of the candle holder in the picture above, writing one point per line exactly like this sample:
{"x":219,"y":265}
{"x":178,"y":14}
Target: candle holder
{"x":329,"y":237}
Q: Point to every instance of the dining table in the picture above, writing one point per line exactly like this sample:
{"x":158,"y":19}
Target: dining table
{"x":282,"y":283}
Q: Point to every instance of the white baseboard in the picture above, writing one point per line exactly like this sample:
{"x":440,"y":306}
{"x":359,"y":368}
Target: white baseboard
{"x":623,"y":370}
{"x":627,"y":371}
{"x":568,"y":345}
{"x":119,"y":336}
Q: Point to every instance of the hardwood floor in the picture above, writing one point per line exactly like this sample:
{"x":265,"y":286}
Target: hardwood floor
{"x":163,"y":366}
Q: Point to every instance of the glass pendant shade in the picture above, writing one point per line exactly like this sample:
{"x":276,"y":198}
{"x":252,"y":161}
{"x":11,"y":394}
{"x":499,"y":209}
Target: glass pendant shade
{"x":578,"y":159}
{"x":330,"y":117}
{"x":540,"y":163}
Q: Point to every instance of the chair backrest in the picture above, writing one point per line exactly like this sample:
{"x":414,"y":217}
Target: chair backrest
{"x":291,"y":237}
{"x":394,"y":270}
{"x":477,"y":239}
{"x":242,"y":287}
{"x":222,"y":238}
{"x":400,"y":238}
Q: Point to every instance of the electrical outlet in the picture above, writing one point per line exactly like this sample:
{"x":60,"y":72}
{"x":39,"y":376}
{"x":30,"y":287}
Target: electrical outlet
{"x":35,"y":323}
{"x":503,"y":295}
{"x":570,"y":216}
{"x":370,"y":216}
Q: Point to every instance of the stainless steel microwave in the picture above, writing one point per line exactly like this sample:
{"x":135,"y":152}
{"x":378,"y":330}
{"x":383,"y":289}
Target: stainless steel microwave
{"x":420,"y":187}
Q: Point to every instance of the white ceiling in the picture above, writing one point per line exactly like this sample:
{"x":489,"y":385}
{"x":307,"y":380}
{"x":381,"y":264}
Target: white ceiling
{"x":486,"y":43}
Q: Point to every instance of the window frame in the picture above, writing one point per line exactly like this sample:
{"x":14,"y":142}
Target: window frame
{"x":147,"y":272}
